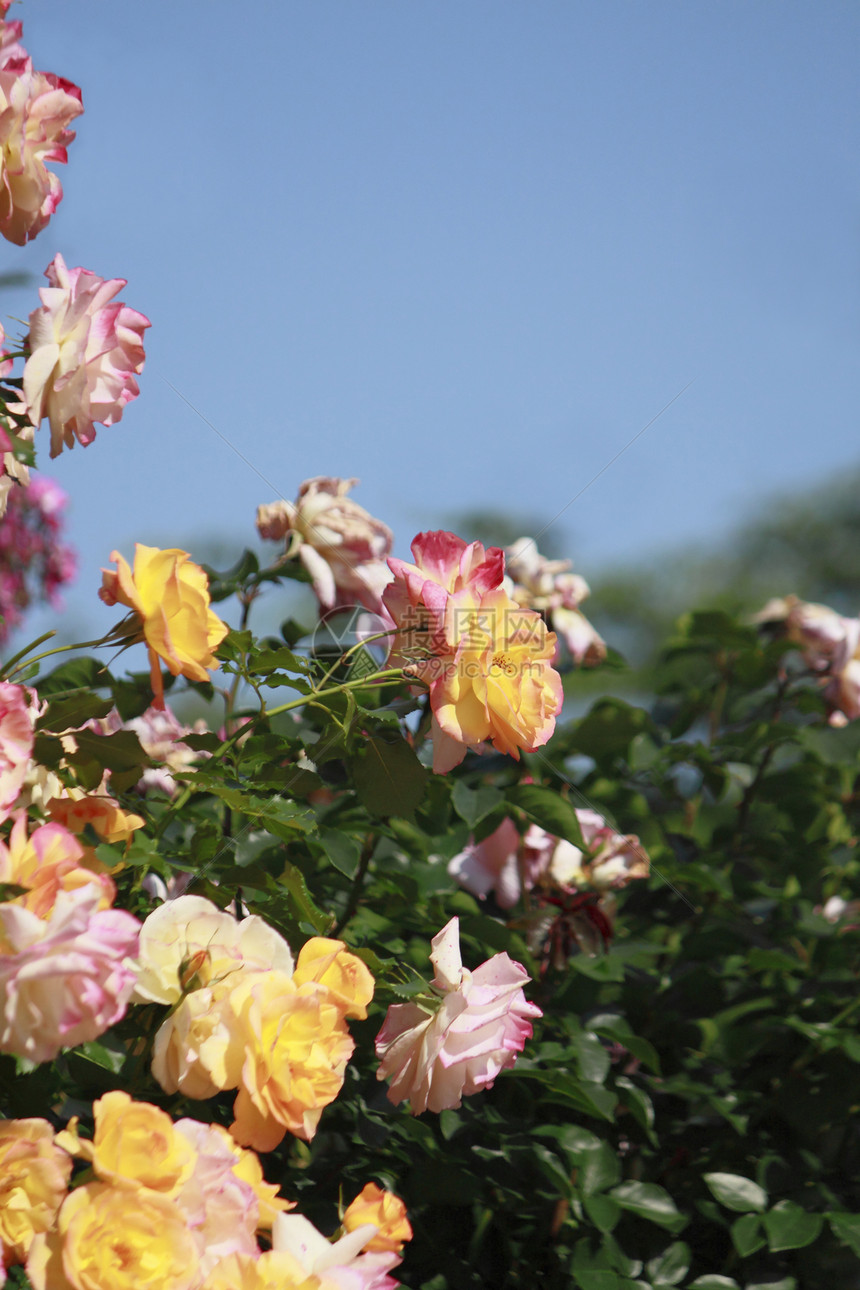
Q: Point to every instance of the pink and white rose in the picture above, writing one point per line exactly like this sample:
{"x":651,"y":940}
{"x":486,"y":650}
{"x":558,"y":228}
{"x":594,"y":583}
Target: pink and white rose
{"x":548,"y":586}
{"x":491,"y":865}
{"x":86,"y":352}
{"x":435,"y":1052}
{"x":64,"y":979}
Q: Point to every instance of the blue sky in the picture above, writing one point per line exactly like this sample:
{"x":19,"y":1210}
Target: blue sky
{"x":464,"y":250}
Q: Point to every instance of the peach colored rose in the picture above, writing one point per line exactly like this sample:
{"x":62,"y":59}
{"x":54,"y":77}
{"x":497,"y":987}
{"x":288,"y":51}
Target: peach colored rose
{"x":386,"y":1212}
{"x":342,"y":547}
{"x":64,"y":979}
{"x":296,"y":1050}
{"x":86,"y":352}
{"x":18,"y":713}
{"x":36,"y":109}
{"x":198,"y":1049}
{"x":34,"y":1179}
{"x":171,"y":596}
{"x":438,"y":1051}
{"x":75,"y":809}
{"x":116,"y":1238}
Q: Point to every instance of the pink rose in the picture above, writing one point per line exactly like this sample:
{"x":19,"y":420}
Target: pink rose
{"x":36,"y":109}
{"x":436,"y":1053}
{"x":491,"y":865}
{"x":18,"y":712}
{"x":86,"y":351}
{"x":342,"y":547}
{"x":66,"y":978}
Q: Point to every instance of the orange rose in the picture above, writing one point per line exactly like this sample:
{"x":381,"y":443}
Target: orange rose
{"x":171,"y":595}
{"x":386,"y":1212}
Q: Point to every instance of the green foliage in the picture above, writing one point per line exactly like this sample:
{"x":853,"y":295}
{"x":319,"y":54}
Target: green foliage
{"x":684,"y":1115}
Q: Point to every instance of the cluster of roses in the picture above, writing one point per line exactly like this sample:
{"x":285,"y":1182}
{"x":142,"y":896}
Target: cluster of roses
{"x":170,"y":1205}
{"x":35,"y":561}
{"x":830,"y":647}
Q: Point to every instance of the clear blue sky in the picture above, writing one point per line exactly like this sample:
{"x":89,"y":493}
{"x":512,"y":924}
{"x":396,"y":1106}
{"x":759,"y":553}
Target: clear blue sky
{"x":465,"y":250}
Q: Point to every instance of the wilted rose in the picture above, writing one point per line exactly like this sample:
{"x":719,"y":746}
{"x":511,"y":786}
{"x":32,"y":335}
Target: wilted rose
{"x":342,"y":547}
{"x":171,"y":596}
{"x":548,"y":586}
{"x":436,"y":1055}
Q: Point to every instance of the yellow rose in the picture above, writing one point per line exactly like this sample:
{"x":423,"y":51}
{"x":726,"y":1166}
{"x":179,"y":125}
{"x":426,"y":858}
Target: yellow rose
{"x":116,"y":1238}
{"x":345,"y":976}
{"x":386,"y":1212}
{"x":198,"y":1049}
{"x":296,"y":1050}
{"x":249,"y":1170}
{"x":136,"y":1142}
{"x":171,"y":595}
{"x":34,"y":1177}
{"x":271,"y":1271}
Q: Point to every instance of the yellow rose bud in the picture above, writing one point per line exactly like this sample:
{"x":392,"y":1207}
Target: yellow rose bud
{"x":345,"y":976}
{"x":386,"y":1212}
{"x":34,"y":1176}
{"x":171,"y":596}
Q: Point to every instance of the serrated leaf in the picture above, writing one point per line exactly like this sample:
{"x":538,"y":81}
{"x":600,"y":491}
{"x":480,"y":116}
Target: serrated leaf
{"x":789,"y":1227}
{"x":389,"y":778}
{"x":736,"y":1192}
{"x":293,"y":880}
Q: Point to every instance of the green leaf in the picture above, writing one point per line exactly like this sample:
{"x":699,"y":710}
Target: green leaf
{"x":789,"y":1227}
{"x":668,"y":1268}
{"x":651,"y":1202}
{"x":787,"y":1283}
{"x":603,"y":1211}
{"x":343,"y":851}
{"x":609,"y":729}
{"x":712,"y":1281}
{"x":75,"y":674}
{"x":747,"y":1234}
{"x":389,"y":778}
{"x":592,"y":1059}
{"x":292,"y":879}
{"x":847,"y":1228}
{"x":474,"y":804}
{"x":546,"y":807}
{"x":737,"y":1193}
